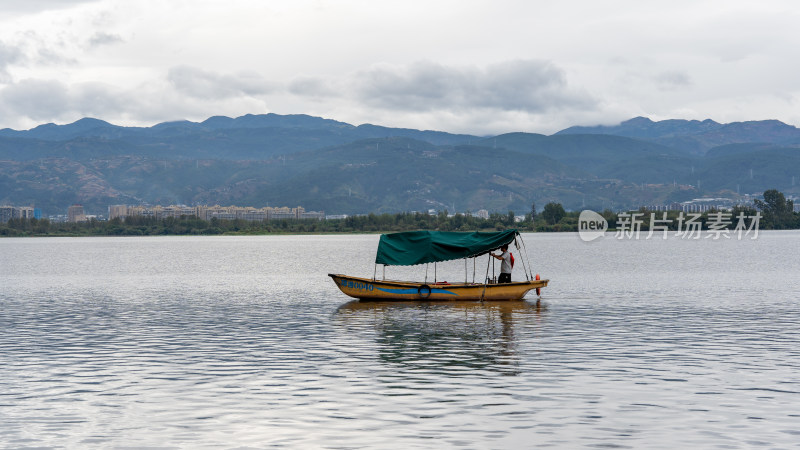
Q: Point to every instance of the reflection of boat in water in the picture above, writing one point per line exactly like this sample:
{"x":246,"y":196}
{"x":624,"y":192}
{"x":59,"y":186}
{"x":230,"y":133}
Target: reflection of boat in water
{"x":422,"y":247}
{"x":443,"y":337}
{"x":500,"y":307}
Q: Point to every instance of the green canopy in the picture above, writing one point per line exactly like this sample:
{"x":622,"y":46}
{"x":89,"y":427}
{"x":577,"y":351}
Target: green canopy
{"x":420,"y":247}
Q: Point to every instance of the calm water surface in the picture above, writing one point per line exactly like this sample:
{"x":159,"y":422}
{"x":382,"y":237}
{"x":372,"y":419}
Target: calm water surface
{"x":233,"y":342}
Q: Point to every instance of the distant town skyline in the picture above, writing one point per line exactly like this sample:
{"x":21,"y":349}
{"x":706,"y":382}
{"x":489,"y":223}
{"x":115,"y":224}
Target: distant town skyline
{"x":474,"y":67}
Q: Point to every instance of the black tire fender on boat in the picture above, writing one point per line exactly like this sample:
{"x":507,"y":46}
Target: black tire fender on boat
{"x":424,"y":291}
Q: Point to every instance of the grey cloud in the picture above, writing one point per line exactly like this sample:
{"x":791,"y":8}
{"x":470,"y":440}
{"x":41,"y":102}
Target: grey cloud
{"x":49,"y":56}
{"x":8,"y":55}
{"x":32,"y":47}
{"x":672,"y":80}
{"x":524,"y":85}
{"x":101,"y":38}
{"x":47,"y":100}
{"x":204,"y":84}
{"x":35,"y":6}
{"x":314,"y":87}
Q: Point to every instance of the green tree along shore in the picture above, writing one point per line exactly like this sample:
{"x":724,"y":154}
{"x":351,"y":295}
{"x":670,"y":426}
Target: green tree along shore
{"x":189,"y":225}
{"x":776,"y":213}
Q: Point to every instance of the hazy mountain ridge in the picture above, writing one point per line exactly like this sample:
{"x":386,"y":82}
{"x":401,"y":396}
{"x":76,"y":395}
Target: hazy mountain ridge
{"x":242,"y":130}
{"x":697,"y":136}
{"x":249,"y":133}
{"x":341,"y":168}
{"x":644,"y":128}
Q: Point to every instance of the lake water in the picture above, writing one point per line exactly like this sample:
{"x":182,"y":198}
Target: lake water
{"x":244,"y":342}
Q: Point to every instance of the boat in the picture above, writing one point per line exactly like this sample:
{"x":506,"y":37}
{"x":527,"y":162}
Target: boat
{"x":424,"y":247}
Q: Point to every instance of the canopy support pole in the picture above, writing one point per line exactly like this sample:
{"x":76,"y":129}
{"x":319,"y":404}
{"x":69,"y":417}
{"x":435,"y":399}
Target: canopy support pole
{"x":474,"y":265}
{"x":486,"y":282}
{"x":530,"y":265}
{"x":384,"y":272}
{"x":375,"y":272}
{"x":466,"y":272}
{"x":426,"y":273}
{"x":522,"y":257}
{"x":434,"y":273}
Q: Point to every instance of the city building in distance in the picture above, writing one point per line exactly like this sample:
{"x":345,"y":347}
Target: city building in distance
{"x":209,"y":212}
{"x":75,"y":214}
{"x":8,"y":212}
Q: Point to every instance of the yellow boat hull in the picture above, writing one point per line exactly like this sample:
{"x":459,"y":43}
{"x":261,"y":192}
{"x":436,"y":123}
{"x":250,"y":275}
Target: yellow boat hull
{"x":369,"y":289}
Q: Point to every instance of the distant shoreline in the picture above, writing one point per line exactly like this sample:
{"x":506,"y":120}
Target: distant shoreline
{"x":193,"y":226}
{"x":771,"y":215}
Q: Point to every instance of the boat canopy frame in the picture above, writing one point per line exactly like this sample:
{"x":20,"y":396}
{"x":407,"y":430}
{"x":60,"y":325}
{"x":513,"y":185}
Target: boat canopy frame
{"x":422,"y":247}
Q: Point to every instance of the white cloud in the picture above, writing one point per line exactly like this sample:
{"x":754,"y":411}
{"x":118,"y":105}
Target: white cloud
{"x":456,"y":65}
{"x":205,"y":84}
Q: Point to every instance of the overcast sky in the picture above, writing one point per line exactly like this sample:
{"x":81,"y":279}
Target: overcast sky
{"x":467,"y":66}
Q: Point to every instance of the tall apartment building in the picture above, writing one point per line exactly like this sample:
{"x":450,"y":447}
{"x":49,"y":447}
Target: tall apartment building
{"x":6,"y":213}
{"x":75,"y":214}
{"x":25,"y":212}
{"x":117,"y":212}
{"x":16,"y":212}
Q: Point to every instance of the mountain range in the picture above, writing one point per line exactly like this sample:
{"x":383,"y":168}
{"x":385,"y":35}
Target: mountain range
{"x":323,"y":164}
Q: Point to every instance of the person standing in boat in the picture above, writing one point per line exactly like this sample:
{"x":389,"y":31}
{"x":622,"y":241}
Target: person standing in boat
{"x":505,"y":266}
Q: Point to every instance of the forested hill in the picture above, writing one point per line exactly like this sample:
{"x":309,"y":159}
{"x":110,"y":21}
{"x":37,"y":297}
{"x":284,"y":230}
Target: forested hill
{"x":696,"y":136}
{"x":323,"y":164}
{"x":250,"y":137}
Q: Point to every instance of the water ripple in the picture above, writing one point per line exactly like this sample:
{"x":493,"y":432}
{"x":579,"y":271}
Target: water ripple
{"x":159,"y":346}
